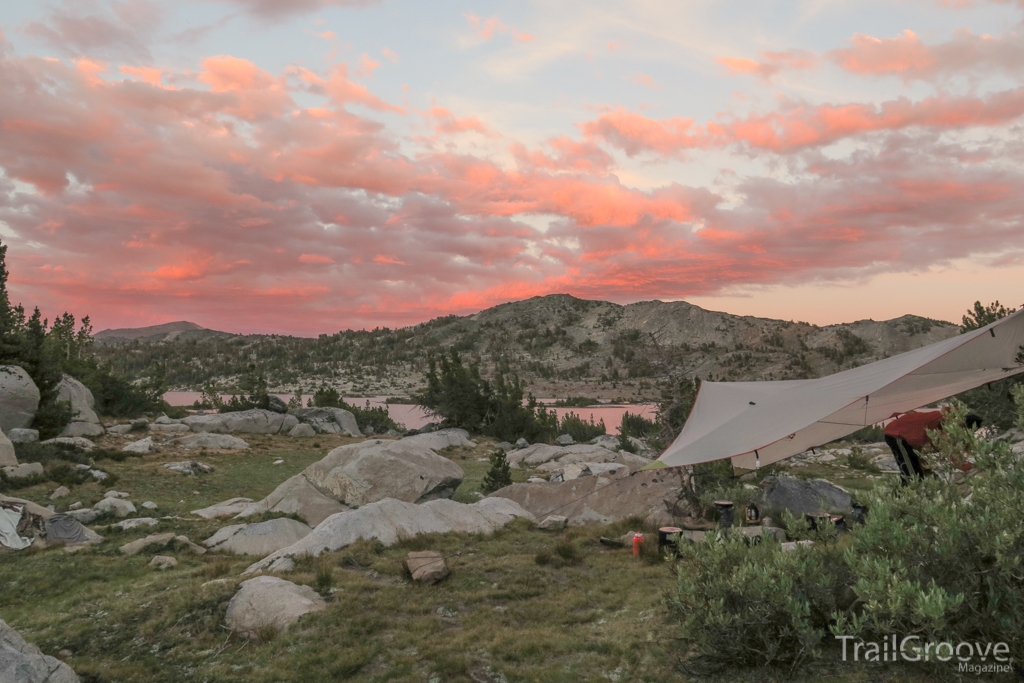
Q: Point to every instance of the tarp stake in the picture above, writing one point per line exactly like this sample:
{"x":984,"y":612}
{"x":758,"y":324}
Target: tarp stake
{"x":757,"y":460}
{"x":993,"y":333}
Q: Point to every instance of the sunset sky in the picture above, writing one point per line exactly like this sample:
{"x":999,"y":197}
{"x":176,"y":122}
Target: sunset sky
{"x":304,"y":166}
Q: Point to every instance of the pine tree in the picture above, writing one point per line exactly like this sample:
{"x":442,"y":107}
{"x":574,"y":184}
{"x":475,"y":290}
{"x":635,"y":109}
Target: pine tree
{"x":499,"y":476}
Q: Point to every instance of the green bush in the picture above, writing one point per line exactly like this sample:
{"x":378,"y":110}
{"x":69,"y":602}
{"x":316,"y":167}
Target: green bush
{"x":755,"y":605}
{"x":376,"y":417}
{"x":579,"y":429}
{"x":637,"y":426}
{"x":940,"y":558}
{"x":499,"y":476}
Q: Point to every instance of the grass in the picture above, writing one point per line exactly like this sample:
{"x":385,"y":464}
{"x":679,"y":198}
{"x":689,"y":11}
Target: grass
{"x":588,"y":613}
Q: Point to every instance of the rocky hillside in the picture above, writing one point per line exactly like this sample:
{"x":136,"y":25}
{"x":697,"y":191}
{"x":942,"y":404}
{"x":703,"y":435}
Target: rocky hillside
{"x":176,"y":331}
{"x":562,"y":346}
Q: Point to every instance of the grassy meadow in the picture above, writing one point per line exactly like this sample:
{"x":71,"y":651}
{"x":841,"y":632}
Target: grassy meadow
{"x":521,"y":605}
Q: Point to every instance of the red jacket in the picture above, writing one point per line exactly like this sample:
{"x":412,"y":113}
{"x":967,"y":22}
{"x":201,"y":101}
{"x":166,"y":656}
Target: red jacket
{"x":913,"y":426}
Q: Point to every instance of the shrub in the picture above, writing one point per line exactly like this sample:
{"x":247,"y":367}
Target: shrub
{"x":637,"y":426}
{"x":579,"y":429}
{"x":376,"y":417}
{"x":499,"y":476}
{"x":754,"y":605}
{"x":940,"y":557}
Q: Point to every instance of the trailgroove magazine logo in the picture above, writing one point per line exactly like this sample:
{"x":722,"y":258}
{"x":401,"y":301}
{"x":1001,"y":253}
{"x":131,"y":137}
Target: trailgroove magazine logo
{"x":970,"y":657}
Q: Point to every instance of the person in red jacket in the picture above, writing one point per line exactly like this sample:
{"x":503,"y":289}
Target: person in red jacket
{"x":909,"y":432}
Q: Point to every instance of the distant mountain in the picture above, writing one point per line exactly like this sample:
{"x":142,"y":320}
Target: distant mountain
{"x":156,"y":333}
{"x":558,"y":344}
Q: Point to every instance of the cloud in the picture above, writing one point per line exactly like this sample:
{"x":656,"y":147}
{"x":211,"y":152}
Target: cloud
{"x":645,"y":80}
{"x":770,"y":63}
{"x":490,"y":27}
{"x":277,"y":9}
{"x":799,"y":125}
{"x":907,"y":57}
{"x":121,"y":36}
{"x":251,"y":200}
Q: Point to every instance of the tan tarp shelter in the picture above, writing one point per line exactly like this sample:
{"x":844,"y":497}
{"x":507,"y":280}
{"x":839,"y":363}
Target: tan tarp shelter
{"x":758,"y":423}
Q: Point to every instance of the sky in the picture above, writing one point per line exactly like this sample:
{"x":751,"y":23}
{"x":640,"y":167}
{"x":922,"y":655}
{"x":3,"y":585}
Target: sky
{"x":305,"y":166}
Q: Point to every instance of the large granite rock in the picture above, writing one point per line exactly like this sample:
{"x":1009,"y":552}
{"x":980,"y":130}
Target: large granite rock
{"x":607,"y":498}
{"x":142,"y":446}
{"x":19,"y":398}
{"x":7,"y":456}
{"x":84,"y":421}
{"x":78,"y":442}
{"x":801,"y":496}
{"x":22,"y":662}
{"x":258,"y":540}
{"x":269,"y":602}
{"x":116,"y":507}
{"x":390,"y":521}
{"x":330,"y":421}
{"x":23,"y":471}
{"x":540,"y":454}
{"x":362,"y":473}
{"x":254,"y":421}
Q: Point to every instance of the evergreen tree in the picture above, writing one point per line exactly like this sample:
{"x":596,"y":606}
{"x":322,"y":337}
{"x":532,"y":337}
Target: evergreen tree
{"x":499,"y":476}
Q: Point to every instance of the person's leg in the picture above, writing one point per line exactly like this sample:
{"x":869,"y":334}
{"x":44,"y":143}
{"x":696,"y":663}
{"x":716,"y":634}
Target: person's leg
{"x":896,"y":445}
{"x":913,"y":462}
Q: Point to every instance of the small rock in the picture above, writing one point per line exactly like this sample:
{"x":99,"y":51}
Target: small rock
{"x":554,"y":522}
{"x":149,"y":505}
{"x":75,"y":506}
{"x":135,"y":523}
{"x":119,"y":429}
{"x":162,"y":562}
{"x":189,"y":467}
{"x":506,"y":446}
{"x":426,"y":566}
{"x":522,"y":443}
{"x":536,"y":480}
{"x":117,"y":494}
{"x":279,"y":462}
{"x":78,"y":442}
{"x":564,"y":440}
{"x":116,"y":507}
{"x":269,"y":602}
{"x":141,"y":446}
{"x":139,"y":424}
{"x":98,"y":475}
{"x":790,"y":546}
{"x":302,"y":430}
{"x":60,"y":492}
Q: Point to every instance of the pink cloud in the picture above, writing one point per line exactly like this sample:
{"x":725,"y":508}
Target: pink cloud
{"x":276,"y":9}
{"x":647,"y":81}
{"x":220,"y":199}
{"x":798,"y":125}
{"x":447,"y":123}
{"x":770,"y":63}
{"x":489,"y":28}
{"x":366,"y":66}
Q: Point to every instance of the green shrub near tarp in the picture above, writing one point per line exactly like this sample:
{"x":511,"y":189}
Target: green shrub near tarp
{"x":579,"y":429}
{"x":942,"y":558}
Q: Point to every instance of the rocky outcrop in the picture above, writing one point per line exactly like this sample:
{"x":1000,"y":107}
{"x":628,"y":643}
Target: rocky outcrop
{"x":19,"y":398}
{"x":258,"y":540}
{"x":330,"y":421}
{"x":302,"y":430}
{"x":22,"y":662}
{"x":269,"y":603}
{"x":390,"y":521}
{"x":254,"y":421}
{"x":362,"y":473}
{"x":603,"y":499}
{"x":84,"y":421}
